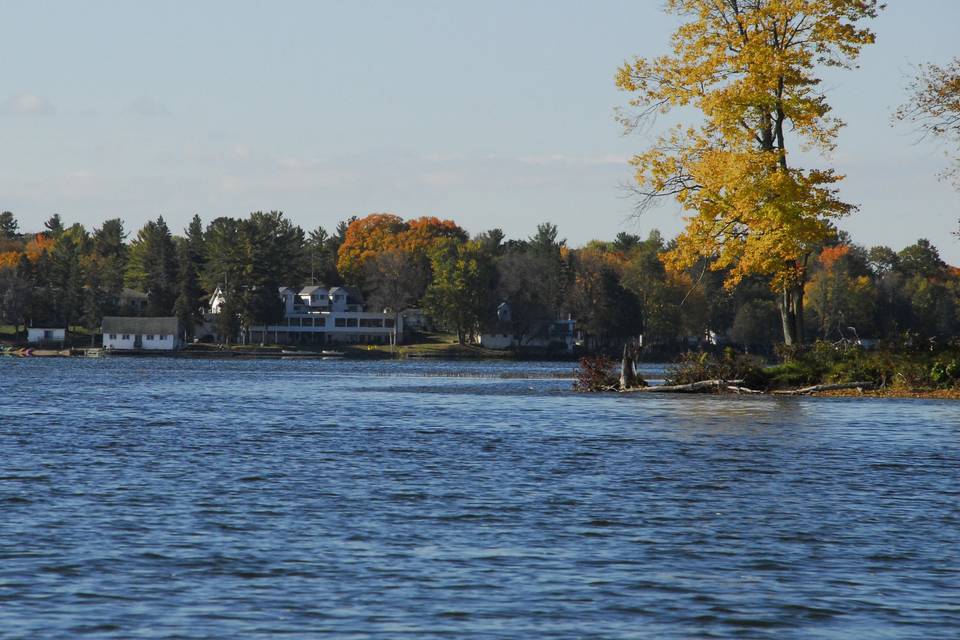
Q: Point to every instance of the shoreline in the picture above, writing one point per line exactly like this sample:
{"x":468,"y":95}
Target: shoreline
{"x":876,"y":394}
{"x":346,"y":353}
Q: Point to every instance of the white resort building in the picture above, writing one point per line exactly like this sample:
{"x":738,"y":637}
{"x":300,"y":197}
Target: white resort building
{"x":319,"y":315}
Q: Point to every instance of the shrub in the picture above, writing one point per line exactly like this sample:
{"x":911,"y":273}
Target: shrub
{"x":791,"y":374}
{"x":596,"y":373}
{"x":945,"y":372}
{"x":694,"y":367}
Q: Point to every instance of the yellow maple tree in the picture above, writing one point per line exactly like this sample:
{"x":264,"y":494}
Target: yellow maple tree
{"x":748,"y":66}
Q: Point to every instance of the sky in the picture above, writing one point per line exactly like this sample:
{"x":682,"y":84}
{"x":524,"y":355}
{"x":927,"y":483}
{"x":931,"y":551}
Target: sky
{"x":494,"y":114}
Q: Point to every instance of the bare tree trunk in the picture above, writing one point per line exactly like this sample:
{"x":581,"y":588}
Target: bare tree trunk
{"x":791,"y":314}
{"x":786,"y":318}
{"x":628,"y":374}
{"x":798,"y":318}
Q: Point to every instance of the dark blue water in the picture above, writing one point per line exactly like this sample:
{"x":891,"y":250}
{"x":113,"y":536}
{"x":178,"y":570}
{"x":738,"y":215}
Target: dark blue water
{"x":164,"y":498}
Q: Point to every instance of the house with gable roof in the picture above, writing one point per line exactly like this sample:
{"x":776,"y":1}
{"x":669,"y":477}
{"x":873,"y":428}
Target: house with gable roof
{"x":318,"y":315}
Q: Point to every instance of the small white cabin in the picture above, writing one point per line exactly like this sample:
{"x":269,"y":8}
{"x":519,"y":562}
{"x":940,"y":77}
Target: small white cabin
{"x":152,"y":334}
{"x":45,"y":335}
{"x":557,"y":334}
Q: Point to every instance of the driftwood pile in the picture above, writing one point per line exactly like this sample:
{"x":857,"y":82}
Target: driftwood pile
{"x":631,"y":382}
{"x":734,"y":386}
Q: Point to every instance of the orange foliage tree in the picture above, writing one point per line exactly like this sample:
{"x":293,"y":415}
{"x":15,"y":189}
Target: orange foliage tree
{"x":379,"y":233}
{"x":838,"y":297}
{"x":33,"y":249}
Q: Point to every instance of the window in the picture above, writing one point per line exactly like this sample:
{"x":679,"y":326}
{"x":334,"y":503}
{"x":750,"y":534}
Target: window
{"x":340,"y":322}
{"x":371,"y":322}
{"x":319,"y":322}
{"x":113,"y":336}
{"x":351,"y":322}
{"x":126,"y":336}
{"x":162,"y":337}
{"x":149,"y":336}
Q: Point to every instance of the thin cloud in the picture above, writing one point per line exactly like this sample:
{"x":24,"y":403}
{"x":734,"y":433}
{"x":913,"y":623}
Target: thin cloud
{"x":27,"y":104}
{"x":147,"y":107}
{"x":575,"y":160}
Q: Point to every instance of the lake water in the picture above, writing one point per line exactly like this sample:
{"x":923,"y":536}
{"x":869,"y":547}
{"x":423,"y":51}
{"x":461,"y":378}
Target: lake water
{"x":162,"y":498}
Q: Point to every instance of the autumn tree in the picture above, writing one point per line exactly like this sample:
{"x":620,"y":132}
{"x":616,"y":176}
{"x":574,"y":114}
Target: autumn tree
{"x":660,"y":293}
{"x":841,"y":293}
{"x":460,"y":296}
{"x":364,"y":238}
{"x":377,"y":233}
{"x":395,"y":281}
{"x":933,"y":107}
{"x":749,"y":67}
{"x":605,"y":310}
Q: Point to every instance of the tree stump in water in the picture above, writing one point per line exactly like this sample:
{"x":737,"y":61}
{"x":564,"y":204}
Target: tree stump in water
{"x":628,"y":370}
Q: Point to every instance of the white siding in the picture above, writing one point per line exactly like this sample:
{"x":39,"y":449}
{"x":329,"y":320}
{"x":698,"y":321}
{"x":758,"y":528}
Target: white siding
{"x":38,"y":335}
{"x":350,"y":322}
{"x":128,"y":341}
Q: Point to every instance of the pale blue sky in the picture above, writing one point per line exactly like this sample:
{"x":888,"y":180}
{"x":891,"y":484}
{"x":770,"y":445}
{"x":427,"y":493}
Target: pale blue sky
{"x":492,"y":113}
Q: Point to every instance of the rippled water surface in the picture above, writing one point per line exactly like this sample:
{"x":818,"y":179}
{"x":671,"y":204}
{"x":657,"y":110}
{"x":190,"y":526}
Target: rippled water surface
{"x":165,"y":498}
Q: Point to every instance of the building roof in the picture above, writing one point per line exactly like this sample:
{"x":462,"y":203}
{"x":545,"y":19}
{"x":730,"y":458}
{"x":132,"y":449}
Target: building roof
{"x":309,"y":289}
{"x":354,"y":295}
{"x":161,"y":326}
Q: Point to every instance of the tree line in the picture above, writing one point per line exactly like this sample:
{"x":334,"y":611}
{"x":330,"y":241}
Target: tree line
{"x":615,"y":289}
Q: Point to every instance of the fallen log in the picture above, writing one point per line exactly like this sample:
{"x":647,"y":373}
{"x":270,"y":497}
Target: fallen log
{"x":693,"y":387}
{"x":737,"y":389}
{"x":840,"y":386}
